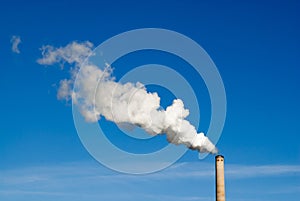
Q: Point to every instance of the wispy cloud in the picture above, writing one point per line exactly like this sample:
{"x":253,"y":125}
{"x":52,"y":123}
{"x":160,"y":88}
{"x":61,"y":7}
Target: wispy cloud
{"x":172,"y":197}
{"x":120,"y":196}
{"x":186,"y":170}
{"x":232,"y":171}
{"x":82,"y":170}
{"x":243,"y":171}
{"x":15,"y":41}
{"x":28,"y":192}
{"x":92,"y":181}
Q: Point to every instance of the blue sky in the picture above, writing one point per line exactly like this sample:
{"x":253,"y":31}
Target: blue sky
{"x":255,"y":46}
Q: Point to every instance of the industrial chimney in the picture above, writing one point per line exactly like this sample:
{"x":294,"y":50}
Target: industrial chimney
{"x":220,"y":182}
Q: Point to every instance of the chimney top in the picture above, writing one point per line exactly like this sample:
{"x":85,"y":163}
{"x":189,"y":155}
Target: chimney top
{"x":219,"y":156}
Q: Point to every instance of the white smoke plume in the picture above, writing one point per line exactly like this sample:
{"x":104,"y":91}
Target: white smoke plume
{"x":98,"y":94}
{"x":73,"y":53}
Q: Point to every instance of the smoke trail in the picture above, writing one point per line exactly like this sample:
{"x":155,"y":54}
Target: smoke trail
{"x":98,"y":94}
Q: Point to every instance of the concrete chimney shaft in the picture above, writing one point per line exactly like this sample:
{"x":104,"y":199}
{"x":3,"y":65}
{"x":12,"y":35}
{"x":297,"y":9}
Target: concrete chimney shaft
{"x":220,"y":182}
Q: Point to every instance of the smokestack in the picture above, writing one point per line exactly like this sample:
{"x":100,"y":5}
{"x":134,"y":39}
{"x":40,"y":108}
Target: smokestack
{"x":220,"y":182}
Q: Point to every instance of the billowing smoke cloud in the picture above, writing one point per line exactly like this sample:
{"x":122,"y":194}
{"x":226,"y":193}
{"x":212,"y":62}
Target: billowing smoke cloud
{"x":97,"y":94}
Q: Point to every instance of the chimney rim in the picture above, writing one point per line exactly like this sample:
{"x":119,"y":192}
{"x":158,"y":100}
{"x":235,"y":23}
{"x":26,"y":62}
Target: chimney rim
{"x":219,"y":156}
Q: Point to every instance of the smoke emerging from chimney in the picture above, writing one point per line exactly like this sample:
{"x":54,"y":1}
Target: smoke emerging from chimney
{"x":97,"y":94}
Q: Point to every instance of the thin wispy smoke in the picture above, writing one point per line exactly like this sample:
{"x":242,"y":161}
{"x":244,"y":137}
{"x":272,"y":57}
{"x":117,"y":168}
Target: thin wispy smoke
{"x":15,"y":41}
{"x":73,"y":53}
{"x":98,"y":94}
